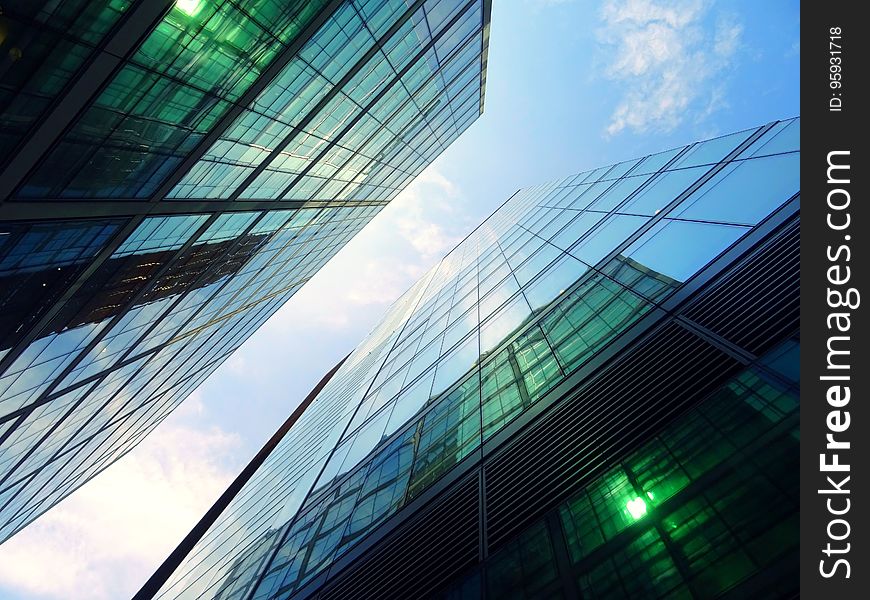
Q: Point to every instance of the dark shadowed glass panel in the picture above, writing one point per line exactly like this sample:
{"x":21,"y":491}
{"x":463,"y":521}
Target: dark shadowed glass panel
{"x":45,"y":44}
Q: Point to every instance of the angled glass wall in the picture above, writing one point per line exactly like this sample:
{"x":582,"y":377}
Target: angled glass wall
{"x":208,"y":176}
{"x":556,"y":276}
{"x":708,"y":504}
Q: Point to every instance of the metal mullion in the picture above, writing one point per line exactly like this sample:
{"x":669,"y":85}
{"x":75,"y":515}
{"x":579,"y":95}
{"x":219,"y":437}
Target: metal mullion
{"x":238,"y":311}
{"x":769,"y":373}
{"x":33,"y":503}
{"x":92,"y":148}
{"x":453,"y":131}
{"x":49,"y":210}
{"x":632,"y":534}
{"x":482,"y":527}
{"x":157,"y":394}
{"x":560,"y":552}
{"x":55,"y":425}
{"x":677,"y":557}
{"x":125,"y":359}
{"x":384,"y":125}
{"x":778,"y":427}
{"x":212,"y":267}
{"x":422,"y":295}
{"x":716,"y":169}
{"x":21,"y":419}
{"x":282,"y":537}
{"x":397,"y":136}
{"x":127,"y":306}
{"x":365,"y":110}
{"x":37,"y":328}
{"x":613,"y":184}
{"x":122,"y":235}
{"x":422,"y":111}
{"x":186,"y":291}
{"x":75,"y":450}
{"x":122,"y":40}
{"x":161,"y":397}
{"x":625,"y":243}
{"x":65,"y":448}
{"x":183,"y":347}
{"x":241,"y":104}
{"x":419,"y":416}
{"x":322,"y":103}
{"x":440,"y":72}
{"x":522,"y":292}
{"x":373,"y":102}
{"x":13,"y":238}
{"x":25,"y":410}
{"x":359,"y":497}
{"x":266,"y":27}
{"x":569,"y":290}
{"x":717,"y":341}
{"x":622,"y":539}
{"x":113,"y":420}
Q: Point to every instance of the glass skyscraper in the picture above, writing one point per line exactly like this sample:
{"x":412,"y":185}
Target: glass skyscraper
{"x":172,"y":172}
{"x":593,"y":395}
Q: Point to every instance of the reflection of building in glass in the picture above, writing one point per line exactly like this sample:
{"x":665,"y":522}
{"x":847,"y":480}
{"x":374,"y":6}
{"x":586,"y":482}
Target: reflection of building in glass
{"x":172,"y":173}
{"x":105,"y":293}
{"x":572,"y":403}
{"x":244,"y":568}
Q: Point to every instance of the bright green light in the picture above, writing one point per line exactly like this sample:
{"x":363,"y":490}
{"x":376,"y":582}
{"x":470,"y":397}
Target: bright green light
{"x":188,"y":7}
{"x":636,"y":508}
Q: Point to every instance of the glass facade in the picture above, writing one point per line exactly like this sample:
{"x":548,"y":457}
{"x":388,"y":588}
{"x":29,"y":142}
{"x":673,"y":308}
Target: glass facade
{"x":47,"y":43}
{"x":546,"y":285}
{"x":211,"y":174}
{"x":707,"y":505}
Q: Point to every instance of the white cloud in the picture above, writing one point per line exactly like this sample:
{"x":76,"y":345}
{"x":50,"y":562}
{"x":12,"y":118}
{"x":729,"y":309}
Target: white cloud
{"x":107,"y":538}
{"x":405,"y":239}
{"x":237,"y":364}
{"x":667,"y":59}
{"x":422,"y":211}
{"x":382,"y":281}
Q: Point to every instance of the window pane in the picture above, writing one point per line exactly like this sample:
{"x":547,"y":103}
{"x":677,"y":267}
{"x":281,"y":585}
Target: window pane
{"x":745,"y":191}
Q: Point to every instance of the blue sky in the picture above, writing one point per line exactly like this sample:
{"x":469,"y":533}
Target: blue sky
{"x":571,"y":85}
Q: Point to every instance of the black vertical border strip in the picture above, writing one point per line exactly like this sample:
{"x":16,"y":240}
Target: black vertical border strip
{"x":825,"y":131}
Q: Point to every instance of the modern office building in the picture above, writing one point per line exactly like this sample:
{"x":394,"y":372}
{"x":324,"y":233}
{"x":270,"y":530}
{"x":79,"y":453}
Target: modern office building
{"x":172,"y":172}
{"x":593,"y":395}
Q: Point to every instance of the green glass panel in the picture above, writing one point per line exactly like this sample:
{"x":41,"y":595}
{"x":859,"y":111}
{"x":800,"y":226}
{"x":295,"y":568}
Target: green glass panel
{"x":646,"y":568}
{"x":181,"y":80}
{"x":601,"y":581}
{"x":449,"y":432}
{"x":46,"y":43}
{"x":723,"y":513}
{"x":656,"y":472}
{"x":614,"y":501}
{"x":502,"y":400}
{"x":515,"y":378}
{"x":580,"y":524}
{"x":589,"y":317}
{"x":525,"y":568}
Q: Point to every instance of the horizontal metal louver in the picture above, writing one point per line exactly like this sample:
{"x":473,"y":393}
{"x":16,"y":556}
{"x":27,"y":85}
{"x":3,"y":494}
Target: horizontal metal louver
{"x":598,"y":424}
{"x":758,"y":300}
{"x":422,"y":556}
